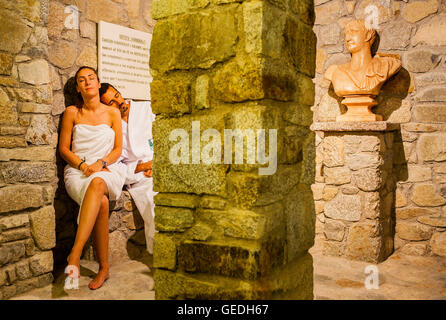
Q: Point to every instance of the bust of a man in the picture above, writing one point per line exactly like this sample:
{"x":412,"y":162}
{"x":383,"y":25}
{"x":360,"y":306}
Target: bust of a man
{"x":364,"y":74}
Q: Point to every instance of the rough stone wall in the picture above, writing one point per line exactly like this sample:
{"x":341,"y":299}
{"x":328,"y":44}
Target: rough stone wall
{"x":68,"y":49}
{"x":224,"y":230}
{"x":415,"y":97}
{"x":27,"y":149}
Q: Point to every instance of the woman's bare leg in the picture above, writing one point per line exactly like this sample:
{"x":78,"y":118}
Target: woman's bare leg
{"x":100,"y":242}
{"x":88,"y":215}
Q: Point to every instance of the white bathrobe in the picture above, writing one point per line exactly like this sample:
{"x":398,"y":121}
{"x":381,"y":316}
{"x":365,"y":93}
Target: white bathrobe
{"x":137,"y":147}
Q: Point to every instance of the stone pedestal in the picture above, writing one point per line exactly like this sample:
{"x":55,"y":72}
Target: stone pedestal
{"x":354,"y":189}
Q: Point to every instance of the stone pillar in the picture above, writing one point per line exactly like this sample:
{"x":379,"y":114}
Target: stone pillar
{"x":354,"y":189}
{"x":224,"y":230}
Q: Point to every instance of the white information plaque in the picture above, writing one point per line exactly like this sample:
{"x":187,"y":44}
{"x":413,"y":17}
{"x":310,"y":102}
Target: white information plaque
{"x":123,"y":60}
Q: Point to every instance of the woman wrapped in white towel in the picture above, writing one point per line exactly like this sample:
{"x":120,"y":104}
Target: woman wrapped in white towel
{"x":92,"y":175}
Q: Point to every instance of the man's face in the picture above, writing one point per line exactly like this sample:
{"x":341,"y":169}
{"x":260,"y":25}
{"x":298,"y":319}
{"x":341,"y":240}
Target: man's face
{"x":113,"y":98}
{"x":355,"y":37}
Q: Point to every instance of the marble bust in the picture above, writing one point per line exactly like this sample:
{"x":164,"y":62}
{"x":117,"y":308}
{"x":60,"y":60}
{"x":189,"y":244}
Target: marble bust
{"x":360,"y":80}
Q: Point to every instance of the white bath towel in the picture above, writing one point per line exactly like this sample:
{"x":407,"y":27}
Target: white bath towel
{"x":91,"y":143}
{"x":138,"y":148}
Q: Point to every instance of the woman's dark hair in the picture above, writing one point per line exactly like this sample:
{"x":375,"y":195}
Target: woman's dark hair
{"x":79,"y":101}
{"x":104,"y":87}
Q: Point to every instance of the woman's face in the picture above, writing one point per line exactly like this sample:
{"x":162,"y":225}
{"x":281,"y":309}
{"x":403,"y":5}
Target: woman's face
{"x":87,"y":83}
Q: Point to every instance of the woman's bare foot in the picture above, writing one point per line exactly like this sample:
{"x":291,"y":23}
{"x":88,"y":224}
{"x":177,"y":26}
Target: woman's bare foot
{"x":100,"y":278}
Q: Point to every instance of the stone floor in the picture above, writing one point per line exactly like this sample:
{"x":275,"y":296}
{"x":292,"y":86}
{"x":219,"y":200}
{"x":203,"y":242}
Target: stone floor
{"x":400,"y":277}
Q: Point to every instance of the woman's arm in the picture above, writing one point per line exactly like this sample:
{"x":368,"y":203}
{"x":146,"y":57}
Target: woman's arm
{"x":114,"y":155}
{"x":65,"y":138}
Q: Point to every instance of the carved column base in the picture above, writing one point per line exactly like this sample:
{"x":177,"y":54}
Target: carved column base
{"x":359,"y":109}
{"x":354,"y":191}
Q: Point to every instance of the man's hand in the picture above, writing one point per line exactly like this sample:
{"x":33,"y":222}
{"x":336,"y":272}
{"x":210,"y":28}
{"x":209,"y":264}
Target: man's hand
{"x":144,"y":167}
{"x":148,"y":173}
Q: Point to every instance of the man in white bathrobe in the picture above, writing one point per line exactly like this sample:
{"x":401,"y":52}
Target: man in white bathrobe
{"x":137,"y":153}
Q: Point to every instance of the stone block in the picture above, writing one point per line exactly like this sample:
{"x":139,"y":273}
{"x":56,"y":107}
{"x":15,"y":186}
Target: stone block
{"x":430,"y":113}
{"x":418,"y":10}
{"x":330,"y":192}
{"x":164,"y":251}
{"x":344,"y":207}
{"x":438,"y":244}
{"x":35,"y":72}
{"x":300,"y":45}
{"x":43,"y":227}
{"x":62,"y":54}
{"x":88,"y":30}
{"x":337,"y":175}
{"x":171,"y":96}
{"x":173,"y":219}
{"x":425,"y":195}
{"x":221,"y":258}
{"x":400,"y":199}
{"x":14,"y":172}
{"x":195,"y":40}
{"x":22,"y":270}
{"x":333,"y":148}
{"x":413,"y":231}
{"x":432,"y":94}
{"x":14,"y":221}
{"x":88,"y":57}
{"x":95,"y":11}
{"x":11,"y":252}
{"x":200,"y":232}
{"x":330,"y":12}
{"x":14,"y":234}
{"x":118,"y":252}
{"x":239,"y":80}
{"x":40,"y":130}
{"x":434,"y":221}
{"x":165,"y":8}
{"x":371,"y":205}
{"x":431,"y":33}
{"x":411,"y":212}
{"x":396,"y":36}
{"x":334,"y":248}
{"x":177,"y":200}
{"x":8,"y":114}
{"x":369,"y":179}
{"x":41,"y":263}
{"x":318,"y":190}
{"x":414,"y":249}
{"x":363,"y":160}
{"x":34,"y":153}
{"x":364,"y":242}
{"x":20,"y":197}
{"x":210,"y":202}
{"x":13,"y":32}
{"x":12,"y":142}
{"x":334,"y":230}
{"x":419,"y":60}
{"x":418,"y":173}
{"x":5,"y":64}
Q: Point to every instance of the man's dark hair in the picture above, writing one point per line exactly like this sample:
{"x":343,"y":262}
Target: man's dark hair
{"x":104,"y":87}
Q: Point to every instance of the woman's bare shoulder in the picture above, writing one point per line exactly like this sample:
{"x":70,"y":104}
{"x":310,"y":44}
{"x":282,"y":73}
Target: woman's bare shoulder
{"x":71,"y":112}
